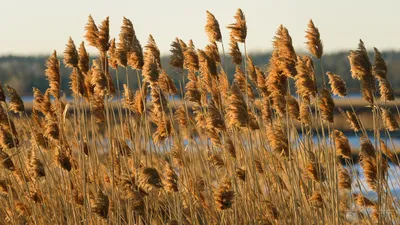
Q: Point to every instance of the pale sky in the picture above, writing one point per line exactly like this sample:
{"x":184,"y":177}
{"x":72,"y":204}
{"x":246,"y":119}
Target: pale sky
{"x":38,"y":27}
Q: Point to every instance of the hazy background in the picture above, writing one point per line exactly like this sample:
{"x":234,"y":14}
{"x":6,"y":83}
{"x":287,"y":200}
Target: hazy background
{"x":38,"y":27}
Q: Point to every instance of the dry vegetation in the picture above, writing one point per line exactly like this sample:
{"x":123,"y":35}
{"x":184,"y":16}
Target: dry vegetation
{"x":232,"y":157}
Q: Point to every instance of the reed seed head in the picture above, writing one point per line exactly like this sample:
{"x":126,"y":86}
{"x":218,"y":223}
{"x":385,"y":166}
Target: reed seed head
{"x":314,"y":42}
{"x":239,"y":28}
{"x":212,"y":28}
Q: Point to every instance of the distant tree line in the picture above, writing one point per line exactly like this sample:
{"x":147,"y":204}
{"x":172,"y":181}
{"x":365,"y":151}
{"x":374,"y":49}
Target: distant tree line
{"x":25,"y":72}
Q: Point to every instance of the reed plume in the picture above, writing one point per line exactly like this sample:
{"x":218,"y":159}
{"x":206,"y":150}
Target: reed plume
{"x":159,"y":115}
{"x":259,"y":167}
{"x":316,"y":200}
{"x":177,"y":58}
{"x":128,"y":99}
{"x":167,"y":84}
{"x":191,"y":61}
{"x":304,"y":82}
{"x":100,"y":204}
{"x":224,"y":195}
{"x":152,"y":66}
{"x":117,"y":56}
{"x":214,"y":120}
{"x":7,"y":123}
{"x":152,"y":50}
{"x":103,"y":36}
{"x":389,"y":121}
{"x":63,"y":160}
{"x":22,"y":209}
{"x":261,"y":82}
{"x":4,"y":189}
{"x":326,"y":105}
{"x":314,"y":43}
{"x":216,"y":160}
{"x":159,"y":102}
{"x":2,"y":94}
{"x":126,"y":35}
{"x":229,"y":147}
{"x":71,"y":57}
{"x":315,"y":171}
{"x":99,"y":80}
{"x":239,"y":28}
{"x":237,"y":108}
{"x":6,"y":161}
{"x":363,"y":201}
{"x":277,"y":84}
{"x":344,"y":178}
{"x":305,"y":114}
{"x":241,"y":174}
{"x":366,"y":91}
{"x":38,"y":139}
{"x":212,"y":28}
{"x":240,"y":79}
{"x":208,"y":66}
{"x":361,"y":69}
{"x":171,"y":179}
{"x":368,"y":162}
{"x":277,"y":139}
{"x":182,"y":119}
{"x":98,"y":107}
{"x":293,"y":107}
{"x":110,"y":84}
{"x":35,"y":165}
{"x":177,"y":154}
{"x":235,"y":51}
{"x":212,"y":52}
{"x":342,"y":144}
{"x":7,"y":141}
{"x":386,"y":90}
{"x":77,"y":84}
{"x":359,"y":62}
{"x":285,"y":55}
{"x":192,"y":93}
{"x":91,"y":32}
{"x":183,"y":45}
{"x":385,"y":150}
{"x":149,"y":178}
{"x":83,"y":56}
{"x":253,"y":123}
{"x":352,"y":119}
{"x":151,"y":70}
{"x":129,"y":50}
{"x":135,"y":55}
{"x":53,"y":74}
{"x":379,"y":69}
{"x":46,"y":105}
{"x":338,"y":85}
{"x":367,"y":148}
{"x":251,"y":70}
{"x":16,"y":104}
{"x":223,"y":85}
{"x":137,"y":201}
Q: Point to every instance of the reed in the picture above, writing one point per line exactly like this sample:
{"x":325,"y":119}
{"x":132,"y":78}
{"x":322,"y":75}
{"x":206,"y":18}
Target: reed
{"x":234,"y":152}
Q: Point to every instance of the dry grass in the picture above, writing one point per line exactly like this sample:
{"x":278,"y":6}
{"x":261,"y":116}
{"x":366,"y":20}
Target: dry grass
{"x":221,"y":155}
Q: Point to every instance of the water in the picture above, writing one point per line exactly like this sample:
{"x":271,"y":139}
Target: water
{"x":355,"y":141}
{"x":360,"y":185}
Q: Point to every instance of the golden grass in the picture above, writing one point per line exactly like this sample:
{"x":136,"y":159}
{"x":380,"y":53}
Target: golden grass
{"x":240,"y":153}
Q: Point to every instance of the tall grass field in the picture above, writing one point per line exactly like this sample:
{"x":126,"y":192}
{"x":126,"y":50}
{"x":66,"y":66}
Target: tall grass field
{"x":261,"y":149}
